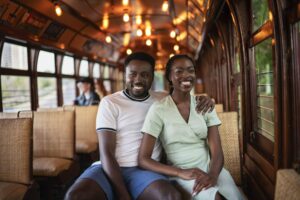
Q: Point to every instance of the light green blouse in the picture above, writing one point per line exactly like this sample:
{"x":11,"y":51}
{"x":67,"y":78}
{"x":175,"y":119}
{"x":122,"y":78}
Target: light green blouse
{"x":184,"y":143}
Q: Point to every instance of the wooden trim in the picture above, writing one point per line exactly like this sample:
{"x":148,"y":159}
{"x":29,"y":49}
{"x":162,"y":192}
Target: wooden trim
{"x":293,"y":13}
{"x":260,"y":178}
{"x":253,"y":190}
{"x":261,"y":162}
{"x":263,"y":33}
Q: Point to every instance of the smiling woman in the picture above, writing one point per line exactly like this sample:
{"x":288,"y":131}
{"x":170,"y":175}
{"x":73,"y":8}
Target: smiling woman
{"x":196,"y":166}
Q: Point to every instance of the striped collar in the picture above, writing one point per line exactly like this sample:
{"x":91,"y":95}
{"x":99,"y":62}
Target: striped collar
{"x":125,"y":92}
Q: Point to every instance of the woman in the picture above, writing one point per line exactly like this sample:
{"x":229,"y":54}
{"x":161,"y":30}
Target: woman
{"x":191,"y":140}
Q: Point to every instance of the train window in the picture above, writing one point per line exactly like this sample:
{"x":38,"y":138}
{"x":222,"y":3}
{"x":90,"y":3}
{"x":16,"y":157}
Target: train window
{"x":84,"y":68}
{"x":47,"y":92}
{"x":14,"y":57}
{"x":106,"y":71}
{"x":46,"y":62}
{"x":264,"y":89}
{"x":15,"y":93}
{"x":107,"y":85}
{"x":260,"y":13}
{"x":69,"y":88}
{"x":68,"y":65}
{"x":96,"y":70}
{"x":158,"y":82}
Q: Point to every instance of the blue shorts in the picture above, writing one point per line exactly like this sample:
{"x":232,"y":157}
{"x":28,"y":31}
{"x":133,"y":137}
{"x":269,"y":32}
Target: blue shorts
{"x":136,"y":179}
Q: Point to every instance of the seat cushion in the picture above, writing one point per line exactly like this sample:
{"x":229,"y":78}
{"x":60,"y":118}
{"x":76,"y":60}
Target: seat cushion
{"x":50,"y":166}
{"x":84,"y":146}
{"x":12,"y":191}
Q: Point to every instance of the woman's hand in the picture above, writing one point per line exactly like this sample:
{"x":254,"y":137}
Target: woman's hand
{"x":204,"y":182}
{"x":189,"y":174}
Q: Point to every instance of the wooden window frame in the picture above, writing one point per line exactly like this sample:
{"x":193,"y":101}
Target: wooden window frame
{"x":257,"y":140}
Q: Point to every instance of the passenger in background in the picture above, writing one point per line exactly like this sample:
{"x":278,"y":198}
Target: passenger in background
{"x":99,"y":87}
{"x":87,"y":96}
{"x":191,"y":140}
{"x":119,"y":121}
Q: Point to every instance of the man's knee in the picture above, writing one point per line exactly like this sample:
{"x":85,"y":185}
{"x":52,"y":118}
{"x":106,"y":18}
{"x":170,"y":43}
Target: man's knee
{"x":85,"y":190}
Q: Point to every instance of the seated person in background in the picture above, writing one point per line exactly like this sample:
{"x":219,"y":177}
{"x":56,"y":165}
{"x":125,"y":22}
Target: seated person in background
{"x":191,"y":140}
{"x":87,"y":96}
{"x":119,"y":121}
{"x":99,"y":88}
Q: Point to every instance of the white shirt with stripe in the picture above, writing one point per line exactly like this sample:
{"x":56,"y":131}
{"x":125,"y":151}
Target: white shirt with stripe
{"x":124,"y":116}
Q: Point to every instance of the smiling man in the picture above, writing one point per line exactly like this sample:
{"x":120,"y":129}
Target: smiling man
{"x":119,"y":121}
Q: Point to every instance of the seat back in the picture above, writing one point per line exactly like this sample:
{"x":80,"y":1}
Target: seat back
{"x":16,"y":150}
{"x":219,"y":108}
{"x":86,"y":123}
{"x":54,"y":134}
{"x":287,"y":185}
{"x":50,"y":109}
{"x":230,"y":144}
{"x":5,"y":115}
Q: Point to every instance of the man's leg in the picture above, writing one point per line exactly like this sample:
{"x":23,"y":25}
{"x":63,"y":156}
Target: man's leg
{"x":84,"y":189}
{"x":92,"y":184}
{"x":144,"y":184}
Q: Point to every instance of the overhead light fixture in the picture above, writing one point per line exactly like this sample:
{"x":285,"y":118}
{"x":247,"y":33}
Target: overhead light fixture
{"x":125,"y":2}
{"x":176,"y":47}
{"x":128,"y":51}
{"x":105,"y":21}
{"x":126,"y":17}
{"x":138,"y":19}
{"x":58,"y":10}
{"x":108,"y":39}
{"x":165,"y":6}
{"x":148,"y":42}
{"x":172,"y":34}
{"x":171,"y":55}
{"x":139,"y":32}
{"x":148,"y":31}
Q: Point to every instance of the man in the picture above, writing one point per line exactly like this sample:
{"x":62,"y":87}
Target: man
{"x":87,"y":96}
{"x":119,"y":122}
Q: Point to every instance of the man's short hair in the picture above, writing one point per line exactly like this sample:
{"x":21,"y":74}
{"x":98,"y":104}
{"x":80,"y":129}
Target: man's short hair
{"x":140,"y":56}
{"x":84,"y":80}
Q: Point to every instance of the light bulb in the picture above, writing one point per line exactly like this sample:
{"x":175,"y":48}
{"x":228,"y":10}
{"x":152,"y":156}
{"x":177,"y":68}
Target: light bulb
{"x":108,"y":39}
{"x":58,"y":10}
{"x":148,"y":42}
{"x":128,"y":51}
{"x":126,"y":17}
{"x":176,"y":47}
{"x":173,"y":34}
{"x":165,"y":6}
{"x":139,"y":32}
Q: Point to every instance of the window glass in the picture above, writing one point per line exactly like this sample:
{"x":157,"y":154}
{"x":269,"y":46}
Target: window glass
{"x":158,"y":83}
{"x":84,"y":68}
{"x":260,"y":12}
{"x":68,"y":65}
{"x":265,"y":89}
{"x":68,"y":90}
{"x":96,"y":70}
{"x":106,"y":71}
{"x":15,"y":93}
{"x":14,"y":57}
{"x":47,"y":92}
{"x":46,"y":62}
{"x":107,"y":85}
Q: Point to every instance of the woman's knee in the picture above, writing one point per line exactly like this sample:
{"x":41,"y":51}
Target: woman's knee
{"x":161,"y":190}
